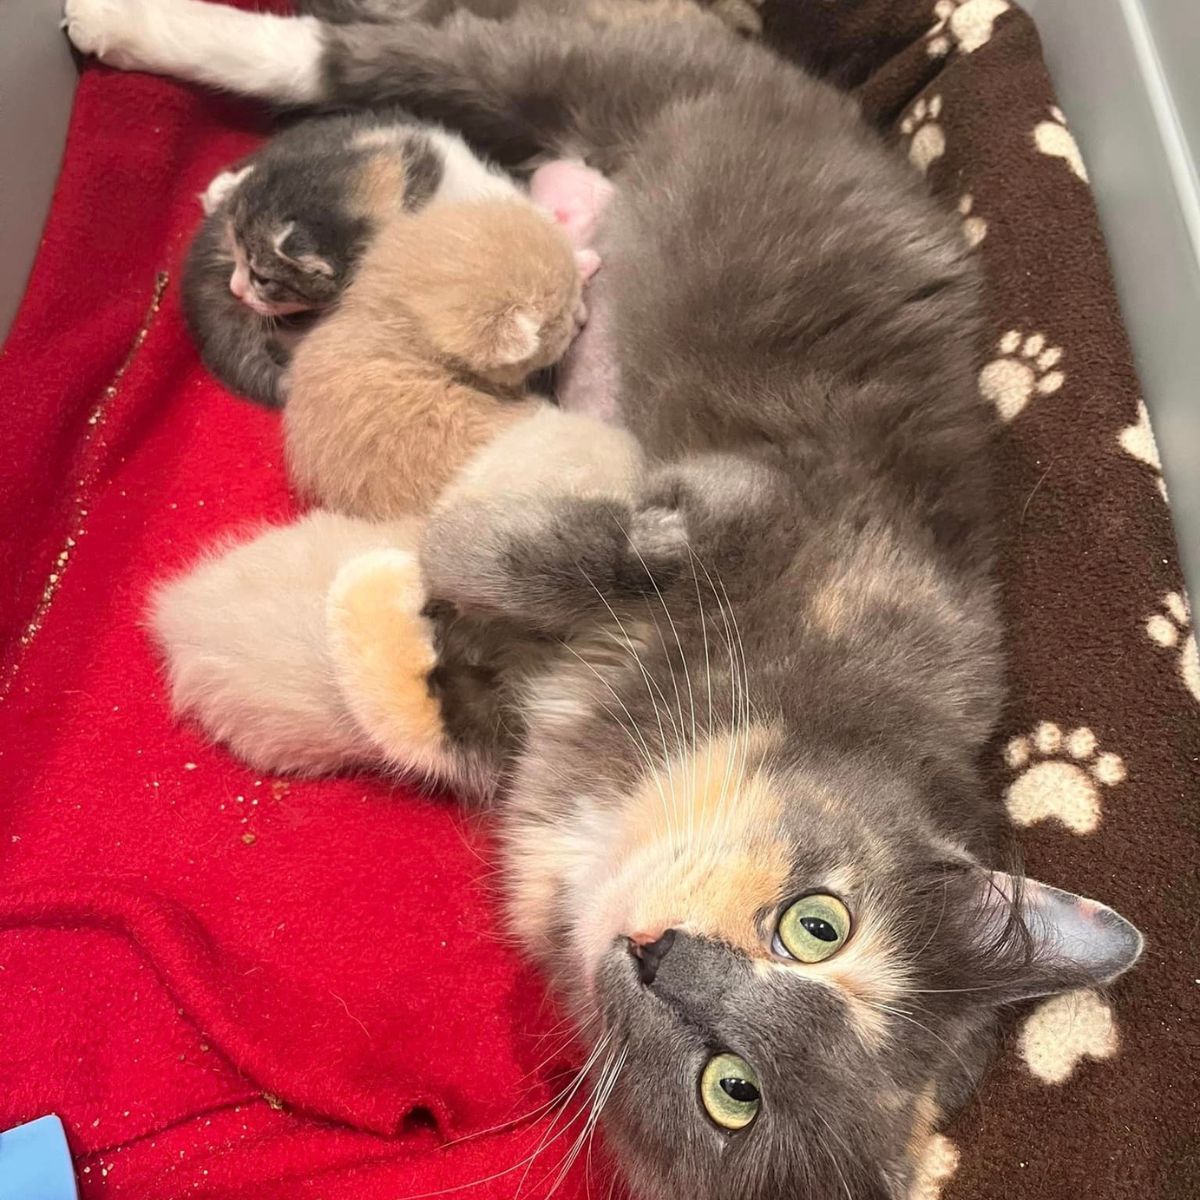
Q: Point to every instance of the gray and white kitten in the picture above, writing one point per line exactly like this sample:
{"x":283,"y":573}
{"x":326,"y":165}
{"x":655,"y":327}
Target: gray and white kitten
{"x":286,"y":228}
{"x":743,"y":699}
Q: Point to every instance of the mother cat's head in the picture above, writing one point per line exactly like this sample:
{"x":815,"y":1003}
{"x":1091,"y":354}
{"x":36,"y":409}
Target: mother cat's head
{"x":800,"y":975}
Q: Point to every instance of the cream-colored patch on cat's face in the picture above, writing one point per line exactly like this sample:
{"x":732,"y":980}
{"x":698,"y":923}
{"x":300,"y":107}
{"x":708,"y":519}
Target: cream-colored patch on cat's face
{"x":695,"y":849}
{"x":1065,"y":1030}
{"x":698,"y":848}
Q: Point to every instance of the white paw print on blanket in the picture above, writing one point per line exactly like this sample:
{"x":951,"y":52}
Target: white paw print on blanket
{"x":968,"y":24}
{"x":974,"y":227}
{"x":1024,"y":369}
{"x":1054,"y":138}
{"x":1138,"y":440}
{"x":1063,"y":1031}
{"x":1172,"y":630}
{"x":928,"y":138}
{"x":1061,"y":778}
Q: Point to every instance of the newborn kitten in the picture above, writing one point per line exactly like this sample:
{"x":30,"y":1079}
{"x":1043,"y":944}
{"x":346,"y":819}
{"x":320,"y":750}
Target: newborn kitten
{"x":426,"y":357}
{"x":285,"y":230}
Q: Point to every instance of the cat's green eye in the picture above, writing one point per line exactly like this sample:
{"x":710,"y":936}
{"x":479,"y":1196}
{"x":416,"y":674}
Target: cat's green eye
{"x":813,"y":929}
{"x":729,"y":1091}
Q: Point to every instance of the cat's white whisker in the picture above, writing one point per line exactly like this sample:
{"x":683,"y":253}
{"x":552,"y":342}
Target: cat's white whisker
{"x":829,"y":1153}
{"x":599,"y":1098}
{"x":631,"y":729}
{"x":568,"y":1095}
{"x":647,"y":679}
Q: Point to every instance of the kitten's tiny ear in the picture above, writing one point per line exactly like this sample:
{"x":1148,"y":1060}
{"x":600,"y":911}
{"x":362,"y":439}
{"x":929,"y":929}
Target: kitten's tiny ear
{"x":294,"y":245}
{"x":518,"y":335}
{"x":221,"y":188}
{"x":1072,"y":941}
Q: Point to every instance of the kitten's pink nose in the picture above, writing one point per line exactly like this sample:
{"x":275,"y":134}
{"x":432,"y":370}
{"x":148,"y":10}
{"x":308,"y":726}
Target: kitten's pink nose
{"x":238,"y":282}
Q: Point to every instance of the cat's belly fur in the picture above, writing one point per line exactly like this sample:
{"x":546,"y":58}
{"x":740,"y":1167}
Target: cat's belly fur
{"x":588,"y":377}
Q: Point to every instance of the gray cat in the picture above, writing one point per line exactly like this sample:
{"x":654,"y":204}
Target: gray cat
{"x":738,"y":706}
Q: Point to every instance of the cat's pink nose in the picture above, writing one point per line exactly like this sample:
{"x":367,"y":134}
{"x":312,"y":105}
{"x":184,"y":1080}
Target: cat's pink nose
{"x":644,"y":938}
{"x":238,"y":283}
{"x":649,"y":951}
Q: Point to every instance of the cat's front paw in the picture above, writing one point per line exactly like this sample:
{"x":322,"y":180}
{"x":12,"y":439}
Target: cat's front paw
{"x":108,"y":29}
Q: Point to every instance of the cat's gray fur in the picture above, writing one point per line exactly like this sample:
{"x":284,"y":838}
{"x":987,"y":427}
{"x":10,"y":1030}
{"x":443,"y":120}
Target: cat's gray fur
{"x":805,"y":574}
{"x":797,"y":329}
{"x":305,"y":177}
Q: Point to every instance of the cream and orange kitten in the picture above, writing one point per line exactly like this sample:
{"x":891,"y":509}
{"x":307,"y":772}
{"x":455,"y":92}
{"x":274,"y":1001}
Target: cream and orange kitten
{"x":426,"y":358}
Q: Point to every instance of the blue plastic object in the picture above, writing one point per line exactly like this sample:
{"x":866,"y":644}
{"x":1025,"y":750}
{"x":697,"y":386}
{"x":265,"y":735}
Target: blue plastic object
{"x":35,"y":1163}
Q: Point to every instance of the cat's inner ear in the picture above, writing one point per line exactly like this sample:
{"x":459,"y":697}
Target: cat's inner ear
{"x":221,"y":188}
{"x":518,"y":336}
{"x":1071,"y":941}
{"x":296,"y":247}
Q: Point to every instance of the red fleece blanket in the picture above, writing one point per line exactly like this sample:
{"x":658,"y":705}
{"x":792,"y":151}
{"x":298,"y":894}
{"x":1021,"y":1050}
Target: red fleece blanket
{"x":238,"y":988}
{"x":226,"y":985}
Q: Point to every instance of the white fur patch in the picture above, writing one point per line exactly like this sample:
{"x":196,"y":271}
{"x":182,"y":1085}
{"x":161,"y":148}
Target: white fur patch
{"x":1065,"y":1030}
{"x":243,"y":635}
{"x":465,"y":176}
{"x":381,"y":137}
{"x":254,"y":54}
{"x":221,"y":188}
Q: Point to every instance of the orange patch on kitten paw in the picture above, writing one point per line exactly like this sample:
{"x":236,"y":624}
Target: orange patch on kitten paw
{"x":383,"y":651}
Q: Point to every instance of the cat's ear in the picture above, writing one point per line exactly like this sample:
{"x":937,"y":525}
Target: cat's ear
{"x":221,"y":188}
{"x":517,"y":336}
{"x":295,"y":246}
{"x":1064,"y":940}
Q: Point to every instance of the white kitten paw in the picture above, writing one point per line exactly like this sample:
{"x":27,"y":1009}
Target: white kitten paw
{"x":109,"y":29}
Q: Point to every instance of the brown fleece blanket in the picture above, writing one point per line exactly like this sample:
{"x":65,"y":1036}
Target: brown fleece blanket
{"x":1098,"y":758}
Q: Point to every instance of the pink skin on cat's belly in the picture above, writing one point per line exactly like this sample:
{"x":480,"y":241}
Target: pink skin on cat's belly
{"x":588,"y":380}
{"x":577,"y":196}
